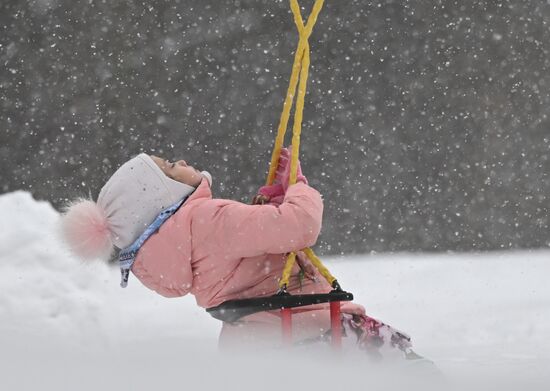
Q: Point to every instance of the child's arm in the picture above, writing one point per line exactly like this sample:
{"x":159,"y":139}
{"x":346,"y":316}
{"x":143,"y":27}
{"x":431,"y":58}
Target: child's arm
{"x":250,"y":230}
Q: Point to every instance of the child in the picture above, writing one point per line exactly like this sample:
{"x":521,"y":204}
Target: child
{"x":176,"y":239}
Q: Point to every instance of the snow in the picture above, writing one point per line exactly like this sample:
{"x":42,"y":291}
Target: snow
{"x":484,"y":319}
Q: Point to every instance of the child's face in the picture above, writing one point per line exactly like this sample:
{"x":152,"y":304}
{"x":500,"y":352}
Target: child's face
{"x":179,"y":171}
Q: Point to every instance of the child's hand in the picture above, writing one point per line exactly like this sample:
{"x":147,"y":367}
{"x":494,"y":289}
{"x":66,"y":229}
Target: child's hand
{"x":284,"y":161}
{"x":283,"y":169}
{"x":274,"y":194}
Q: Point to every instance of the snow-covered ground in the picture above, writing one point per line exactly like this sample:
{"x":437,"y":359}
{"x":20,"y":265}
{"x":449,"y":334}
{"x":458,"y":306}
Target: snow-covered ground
{"x":484,"y":319}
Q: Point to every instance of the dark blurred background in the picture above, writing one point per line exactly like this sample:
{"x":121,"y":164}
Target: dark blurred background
{"x":426,"y":122}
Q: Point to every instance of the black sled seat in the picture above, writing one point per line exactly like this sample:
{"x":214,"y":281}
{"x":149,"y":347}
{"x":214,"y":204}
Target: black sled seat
{"x":232,"y":310}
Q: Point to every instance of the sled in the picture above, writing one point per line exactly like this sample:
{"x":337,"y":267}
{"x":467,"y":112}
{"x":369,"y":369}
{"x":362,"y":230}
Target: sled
{"x":232,"y":310}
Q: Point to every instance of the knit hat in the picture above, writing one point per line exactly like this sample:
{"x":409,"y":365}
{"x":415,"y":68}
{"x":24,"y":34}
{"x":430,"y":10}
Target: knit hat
{"x":128,"y":203}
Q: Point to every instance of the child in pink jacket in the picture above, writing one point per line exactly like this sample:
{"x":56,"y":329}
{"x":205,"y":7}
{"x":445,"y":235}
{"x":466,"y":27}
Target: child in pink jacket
{"x":176,"y":239}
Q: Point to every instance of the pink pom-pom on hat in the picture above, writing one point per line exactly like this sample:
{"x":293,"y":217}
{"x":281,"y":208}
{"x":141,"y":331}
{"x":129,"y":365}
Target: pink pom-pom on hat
{"x":85,"y":228}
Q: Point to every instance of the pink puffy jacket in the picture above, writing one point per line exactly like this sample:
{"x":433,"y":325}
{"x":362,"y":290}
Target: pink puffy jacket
{"x":220,"y":250}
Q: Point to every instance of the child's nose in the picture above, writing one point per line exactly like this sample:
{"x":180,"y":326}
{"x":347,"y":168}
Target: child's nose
{"x":182,"y":163}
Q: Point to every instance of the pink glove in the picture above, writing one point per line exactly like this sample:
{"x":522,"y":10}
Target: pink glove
{"x":274,"y":194}
{"x":283,"y":169}
{"x":271,"y":191}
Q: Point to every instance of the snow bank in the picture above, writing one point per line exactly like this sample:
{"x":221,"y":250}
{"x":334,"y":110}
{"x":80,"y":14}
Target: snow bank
{"x":46,"y":292}
{"x":70,"y":325}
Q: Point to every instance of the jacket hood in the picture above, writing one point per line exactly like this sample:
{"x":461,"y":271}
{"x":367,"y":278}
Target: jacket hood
{"x":163,"y":263}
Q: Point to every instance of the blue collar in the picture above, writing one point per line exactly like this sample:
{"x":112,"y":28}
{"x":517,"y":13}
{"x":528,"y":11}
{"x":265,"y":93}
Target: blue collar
{"x":127,"y":256}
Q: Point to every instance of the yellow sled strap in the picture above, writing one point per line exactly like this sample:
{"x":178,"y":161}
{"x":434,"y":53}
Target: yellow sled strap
{"x":300,"y":70}
{"x":300,"y":73}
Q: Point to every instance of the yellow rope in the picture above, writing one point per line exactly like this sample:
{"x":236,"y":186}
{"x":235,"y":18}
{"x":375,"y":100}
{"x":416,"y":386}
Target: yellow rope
{"x":319,"y":265}
{"x":287,"y":269}
{"x":297,"y":72}
{"x":300,"y":73}
{"x":304,"y":73}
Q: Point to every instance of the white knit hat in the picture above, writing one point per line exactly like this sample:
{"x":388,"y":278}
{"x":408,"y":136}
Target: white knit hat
{"x":128,"y":203}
